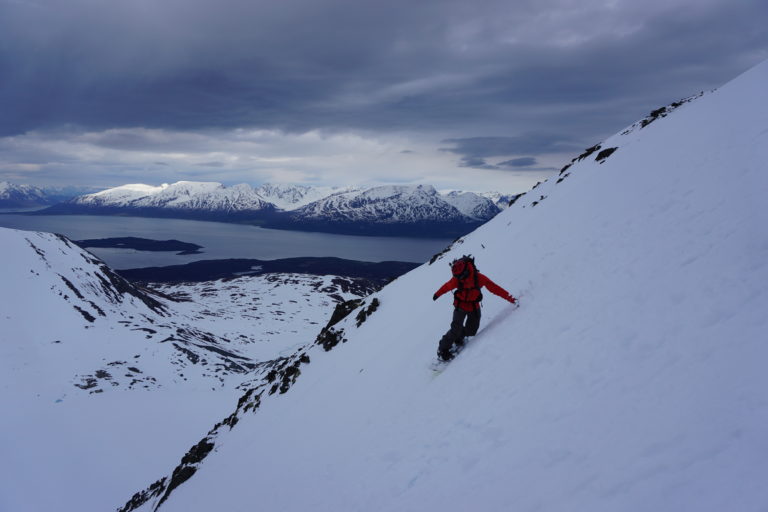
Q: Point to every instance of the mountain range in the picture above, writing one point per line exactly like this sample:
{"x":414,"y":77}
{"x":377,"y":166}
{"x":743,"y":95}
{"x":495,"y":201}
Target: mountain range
{"x":29,"y":196}
{"x":385,"y":210}
{"x":630,"y":375}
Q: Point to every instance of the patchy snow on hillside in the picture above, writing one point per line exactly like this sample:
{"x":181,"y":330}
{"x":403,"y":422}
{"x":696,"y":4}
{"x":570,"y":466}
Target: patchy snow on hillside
{"x":631,"y":378}
{"x":279,"y":312}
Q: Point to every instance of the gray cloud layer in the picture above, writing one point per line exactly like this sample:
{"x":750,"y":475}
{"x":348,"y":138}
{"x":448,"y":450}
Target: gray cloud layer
{"x":493,"y":78}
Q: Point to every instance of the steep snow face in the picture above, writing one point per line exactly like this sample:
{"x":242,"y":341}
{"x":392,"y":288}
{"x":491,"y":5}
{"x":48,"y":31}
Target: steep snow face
{"x":472,"y":205}
{"x":386,"y":204}
{"x":631,"y":378}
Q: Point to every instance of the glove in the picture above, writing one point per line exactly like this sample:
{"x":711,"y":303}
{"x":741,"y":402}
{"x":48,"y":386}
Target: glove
{"x":512,"y":299}
{"x":434,"y":297}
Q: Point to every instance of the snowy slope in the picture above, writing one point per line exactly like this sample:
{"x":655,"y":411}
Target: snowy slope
{"x":101,"y":333}
{"x":102,"y":382}
{"x":631,"y":378}
{"x":84,"y":326}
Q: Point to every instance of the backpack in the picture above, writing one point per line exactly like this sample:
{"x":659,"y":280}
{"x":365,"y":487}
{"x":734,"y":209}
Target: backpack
{"x":461,"y":268}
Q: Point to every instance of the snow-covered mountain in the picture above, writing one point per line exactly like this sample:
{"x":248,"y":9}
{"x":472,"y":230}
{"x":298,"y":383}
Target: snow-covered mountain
{"x":388,"y":210}
{"x":389,"y":204}
{"x":290,"y":197}
{"x":474,"y":206}
{"x":391,"y":209}
{"x":21,"y":196}
{"x":186,"y":196}
{"x":501,"y":200}
{"x":631,"y":377}
{"x":123,"y":195}
{"x":13,"y":195}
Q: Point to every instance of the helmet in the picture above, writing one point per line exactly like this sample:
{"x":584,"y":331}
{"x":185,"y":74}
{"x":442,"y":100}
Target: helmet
{"x":460,"y":268}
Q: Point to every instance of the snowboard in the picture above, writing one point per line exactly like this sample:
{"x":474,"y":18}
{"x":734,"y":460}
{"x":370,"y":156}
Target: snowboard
{"x":438,"y":365}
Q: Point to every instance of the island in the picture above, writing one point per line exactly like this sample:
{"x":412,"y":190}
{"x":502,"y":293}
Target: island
{"x":211,"y":270}
{"x":141,"y":244}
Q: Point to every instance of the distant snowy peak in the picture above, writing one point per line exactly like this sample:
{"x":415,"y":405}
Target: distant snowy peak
{"x":290,"y":197}
{"x":205,"y":196}
{"x":119,"y":196}
{"x":400,"y":210}
{"x":474,"y":206}
{"x":7,"y":188}
{"x":501,"y":200}
{"x":385,"y":204}
{"x":16,"y":196}
{"x":182,"y":195}
{"x":389,"y":203}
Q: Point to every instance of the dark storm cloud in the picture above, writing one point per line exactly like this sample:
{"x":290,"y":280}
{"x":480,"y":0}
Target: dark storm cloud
{"x":490,"y":68}
{"x":505,"y":146}
{"x":526,"y":161}
{"x":516,"y":164}
{"x":476,"y":162}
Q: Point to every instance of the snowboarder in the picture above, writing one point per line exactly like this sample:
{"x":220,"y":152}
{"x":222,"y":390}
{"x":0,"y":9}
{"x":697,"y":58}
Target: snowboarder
{"x":467,"y":281}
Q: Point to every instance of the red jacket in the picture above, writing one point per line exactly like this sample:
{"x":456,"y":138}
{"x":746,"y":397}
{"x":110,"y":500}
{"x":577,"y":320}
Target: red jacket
{"x":468,"y":297}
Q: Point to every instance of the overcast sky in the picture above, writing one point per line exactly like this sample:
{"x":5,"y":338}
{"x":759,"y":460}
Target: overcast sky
{"x":472,"y":94}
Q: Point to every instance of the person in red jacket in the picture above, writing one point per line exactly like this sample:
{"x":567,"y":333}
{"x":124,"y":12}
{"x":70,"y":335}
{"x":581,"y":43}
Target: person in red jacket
{"x":467,"y":282}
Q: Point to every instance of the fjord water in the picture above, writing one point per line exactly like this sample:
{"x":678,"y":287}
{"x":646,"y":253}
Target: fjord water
{"x":221,"y":240}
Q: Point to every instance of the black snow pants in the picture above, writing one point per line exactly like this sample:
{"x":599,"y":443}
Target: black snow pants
{"x":464,"y":323}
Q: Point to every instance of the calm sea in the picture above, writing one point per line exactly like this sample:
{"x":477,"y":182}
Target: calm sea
{"x":221,"y":240}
